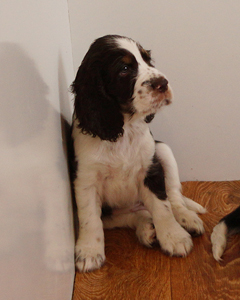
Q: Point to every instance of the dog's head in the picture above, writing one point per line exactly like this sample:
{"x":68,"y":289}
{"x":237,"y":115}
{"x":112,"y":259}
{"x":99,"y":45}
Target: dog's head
{"x":117,"y":80}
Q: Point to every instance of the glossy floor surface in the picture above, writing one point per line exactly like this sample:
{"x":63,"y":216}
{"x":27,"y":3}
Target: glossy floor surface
{"x":134,"y":272}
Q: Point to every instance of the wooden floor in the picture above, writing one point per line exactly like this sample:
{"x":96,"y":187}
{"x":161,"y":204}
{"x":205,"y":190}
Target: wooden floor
{"x":133,"y":272}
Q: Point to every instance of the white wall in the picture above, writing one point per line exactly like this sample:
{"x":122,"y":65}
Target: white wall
{"x":36,"y":69}
{"x":197,"y":45}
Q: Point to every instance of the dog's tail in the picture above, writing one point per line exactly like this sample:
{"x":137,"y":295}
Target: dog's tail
{"x":219,"y":240}
{"x":227,"y":226}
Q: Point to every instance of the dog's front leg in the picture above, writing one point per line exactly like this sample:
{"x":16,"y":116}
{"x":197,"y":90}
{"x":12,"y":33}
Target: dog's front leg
{"x":173,"y":239}
{"x":90,"y":243}
{"x":184,"y":209}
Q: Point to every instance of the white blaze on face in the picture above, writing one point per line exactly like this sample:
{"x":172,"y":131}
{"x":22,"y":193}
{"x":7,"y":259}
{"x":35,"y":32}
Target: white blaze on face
{"x":146,"y":99}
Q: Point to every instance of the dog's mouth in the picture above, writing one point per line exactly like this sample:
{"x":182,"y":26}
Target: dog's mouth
{"x":162,"y":98}
{"x":168,"y":101}
{"x":157,"y":102}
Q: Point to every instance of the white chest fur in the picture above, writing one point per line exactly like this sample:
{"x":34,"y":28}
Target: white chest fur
{"x":116,"y":169}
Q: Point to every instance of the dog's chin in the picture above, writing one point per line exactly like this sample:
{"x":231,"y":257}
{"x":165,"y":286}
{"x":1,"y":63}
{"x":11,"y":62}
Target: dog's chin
{"x":161,"y":102}
{"x":156,"y":106}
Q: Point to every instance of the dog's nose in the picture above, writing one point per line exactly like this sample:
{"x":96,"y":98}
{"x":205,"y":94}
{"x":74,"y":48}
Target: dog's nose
{"x":160,"y":84}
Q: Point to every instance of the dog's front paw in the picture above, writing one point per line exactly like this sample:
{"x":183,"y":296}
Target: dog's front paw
{"x":175,"y":241}
{"x":89,"y":258}
{"x":194,"y":206}
{"x":189,"y":220}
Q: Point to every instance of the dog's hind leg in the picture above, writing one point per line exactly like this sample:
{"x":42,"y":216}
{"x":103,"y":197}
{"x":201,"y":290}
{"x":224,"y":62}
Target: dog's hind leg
{"x":140,"y":220}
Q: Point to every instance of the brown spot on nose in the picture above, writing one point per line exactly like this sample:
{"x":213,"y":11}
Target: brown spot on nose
{"x":159,"y":83}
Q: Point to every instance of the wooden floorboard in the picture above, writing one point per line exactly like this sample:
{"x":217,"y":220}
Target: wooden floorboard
{"x":134,"y":272}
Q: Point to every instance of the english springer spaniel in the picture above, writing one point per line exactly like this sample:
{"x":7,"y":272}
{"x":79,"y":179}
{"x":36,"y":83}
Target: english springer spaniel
{"x":119,"y":165}
{"x":229,"y":225}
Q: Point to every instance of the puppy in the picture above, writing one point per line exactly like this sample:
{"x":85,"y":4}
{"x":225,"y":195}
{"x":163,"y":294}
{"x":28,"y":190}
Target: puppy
{"x":229,"y":225}
{"x":117,"y":92}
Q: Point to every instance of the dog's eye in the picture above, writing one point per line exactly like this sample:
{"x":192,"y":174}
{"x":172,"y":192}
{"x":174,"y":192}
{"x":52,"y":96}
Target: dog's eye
{"x":125,"y":71}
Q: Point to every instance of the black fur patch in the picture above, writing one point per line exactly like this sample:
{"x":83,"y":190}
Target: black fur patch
{"x":149,"y":118}
{"x":232,"y":221}
{"x":73,"y":166}
{"x":103,"y":89}
{"x":155,"y":179}
{"x":73,"y":163}
{"x":106,"y":210}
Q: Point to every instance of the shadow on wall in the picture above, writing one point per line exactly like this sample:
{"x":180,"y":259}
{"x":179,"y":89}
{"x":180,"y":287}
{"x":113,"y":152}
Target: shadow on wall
{"x":66,"y":114}
{"x":23,"y":94}
{"x":36,"y":225}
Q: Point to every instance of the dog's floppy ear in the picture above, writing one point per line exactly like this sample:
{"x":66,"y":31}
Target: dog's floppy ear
{"x":98,"y":114}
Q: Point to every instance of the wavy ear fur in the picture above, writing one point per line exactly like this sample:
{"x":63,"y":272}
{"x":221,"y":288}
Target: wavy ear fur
{"x":98,"y":113}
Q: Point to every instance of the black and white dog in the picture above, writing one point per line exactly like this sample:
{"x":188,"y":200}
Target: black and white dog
{"x":119,"y":165}
{"x":229,"y":225}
